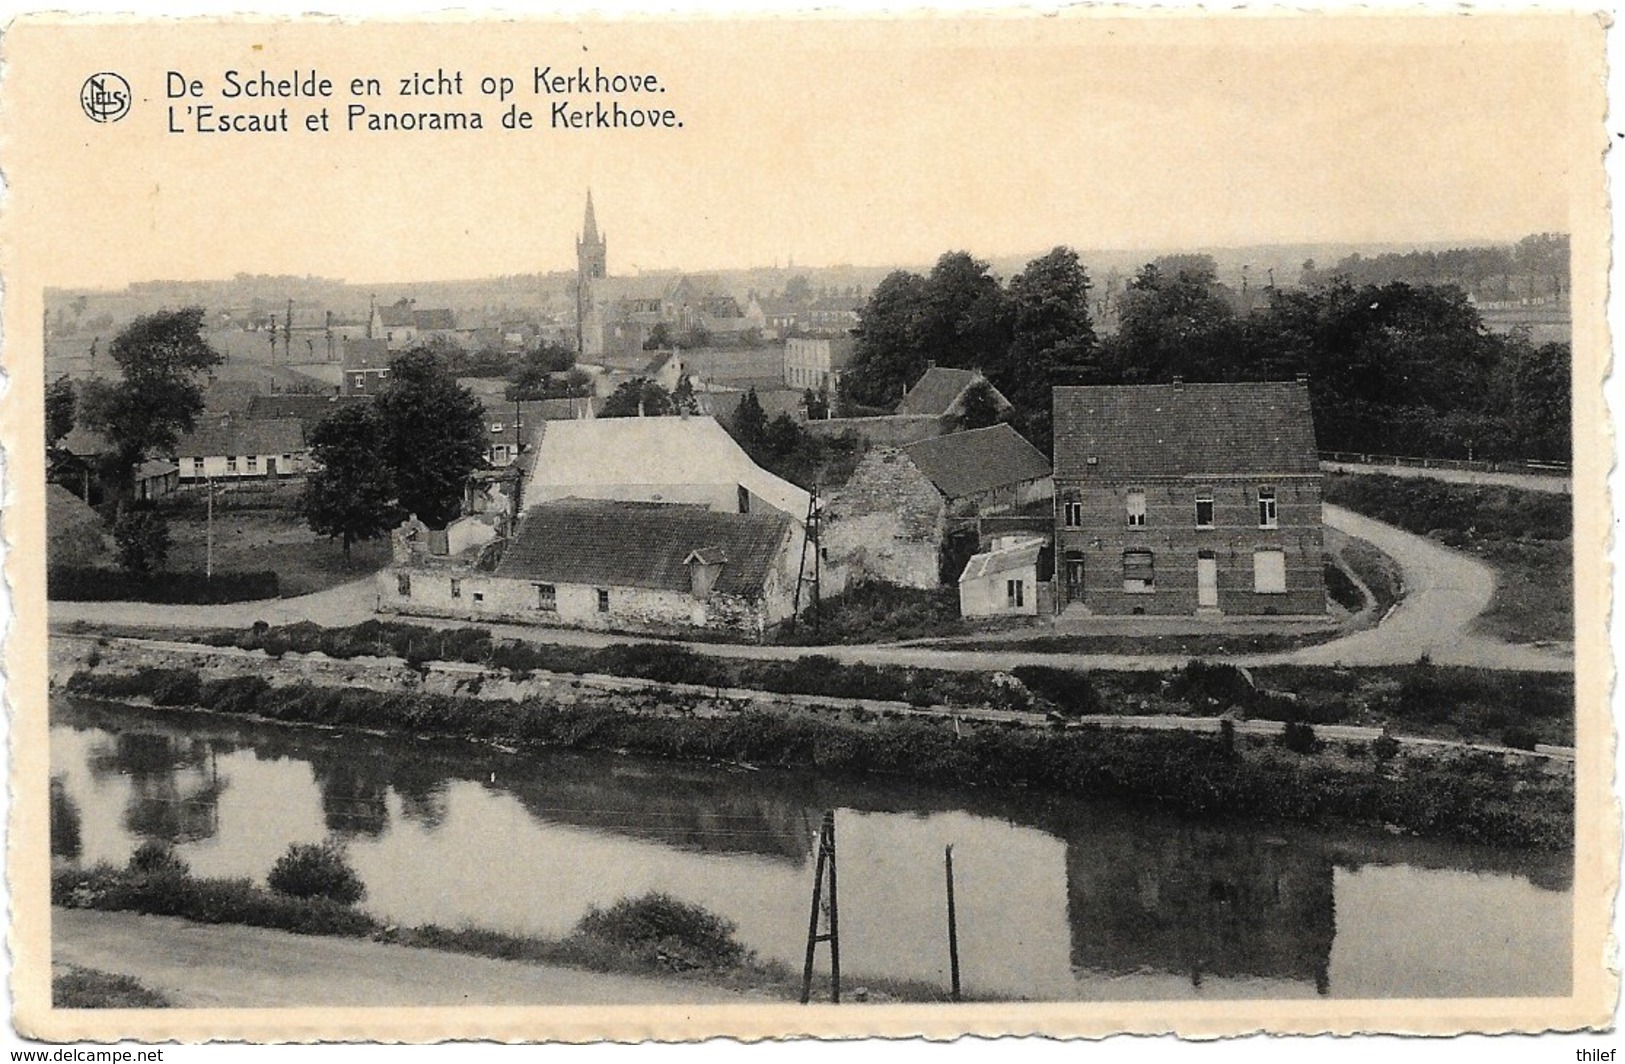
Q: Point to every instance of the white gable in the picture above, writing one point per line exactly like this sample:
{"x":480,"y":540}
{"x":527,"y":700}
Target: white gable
{"x":653,"y":459}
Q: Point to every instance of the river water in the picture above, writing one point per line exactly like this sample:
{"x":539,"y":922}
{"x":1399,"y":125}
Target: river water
{"x":1057,"y":899}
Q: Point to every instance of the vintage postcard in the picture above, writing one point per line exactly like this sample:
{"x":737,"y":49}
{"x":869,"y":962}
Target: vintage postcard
{"x":657,"y":528}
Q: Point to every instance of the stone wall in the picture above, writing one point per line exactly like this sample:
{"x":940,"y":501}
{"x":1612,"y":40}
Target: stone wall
{"x":886,"y":522}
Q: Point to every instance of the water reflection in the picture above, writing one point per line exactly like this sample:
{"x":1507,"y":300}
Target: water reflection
{"x":1056,"y":898}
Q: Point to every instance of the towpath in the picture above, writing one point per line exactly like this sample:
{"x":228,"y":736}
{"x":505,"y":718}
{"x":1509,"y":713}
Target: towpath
{"x":221,"y":966}
{"x":1445,"y":591}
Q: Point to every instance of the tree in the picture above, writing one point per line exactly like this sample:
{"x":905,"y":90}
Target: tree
{"x":352,"y":495}
{"x":433,"y":435}
{"x":638,"y":397}
{"x":660,"y":337}
{"x":142,"y":536}
{"x":888,"y":357}
{"x":682,"y":398}
{"x":750,"y":425}
{"x":979,"y":409}
{"x":59,"y":408}
{"x":1174,"y":324}
{"x":158,"y":397}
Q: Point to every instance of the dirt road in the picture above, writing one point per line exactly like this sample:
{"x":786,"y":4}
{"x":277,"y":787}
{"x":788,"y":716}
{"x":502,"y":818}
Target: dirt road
{"x":1445,"y":591}
{"x":213,"y":966}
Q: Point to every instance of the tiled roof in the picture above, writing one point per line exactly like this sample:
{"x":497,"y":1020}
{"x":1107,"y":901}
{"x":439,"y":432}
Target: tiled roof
{"x":1153,"y":430}
{"x":648,"y":545}
{"x":968,"y":463}
{"x":396,"y":314}
{"x":366,"y":352}
{"x":434,"y":319}
{"x":241,"y":436}
{"x":308,"y":410}
{"x":935,"y":392}
{"x":155,"y":467}
{"x":530,"y":413}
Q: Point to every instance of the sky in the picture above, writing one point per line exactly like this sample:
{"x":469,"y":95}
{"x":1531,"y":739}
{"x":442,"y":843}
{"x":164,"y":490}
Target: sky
{"x":821,"y":140}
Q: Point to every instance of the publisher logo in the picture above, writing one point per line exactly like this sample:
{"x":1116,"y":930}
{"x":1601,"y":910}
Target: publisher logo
{"x":105,"y":97}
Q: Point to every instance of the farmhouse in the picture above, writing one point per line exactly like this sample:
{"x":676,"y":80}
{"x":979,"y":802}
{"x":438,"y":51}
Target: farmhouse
{"x":908,"y":515}
{"x":627,"y":566}
{"x":1187,"y":499}
{"x":241,"y":449}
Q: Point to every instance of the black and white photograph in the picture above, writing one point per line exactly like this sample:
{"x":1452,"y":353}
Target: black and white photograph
{"x":807,"y":526}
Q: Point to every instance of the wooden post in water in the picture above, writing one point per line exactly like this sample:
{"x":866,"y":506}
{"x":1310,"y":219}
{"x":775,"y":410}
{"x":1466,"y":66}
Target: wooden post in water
{"x":826,"y":861}
{"x":953,"y":924}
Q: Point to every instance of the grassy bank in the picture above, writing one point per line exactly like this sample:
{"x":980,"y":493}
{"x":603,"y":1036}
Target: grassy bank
{"x":650,"y":935}
{"x":1526,"y":536}
{"x":1463,"y":795}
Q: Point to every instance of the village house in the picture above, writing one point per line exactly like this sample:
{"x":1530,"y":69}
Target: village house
{"x":1003,"y":581}
{"x":512,"y":427}
{"x":401,"y":325}
{"x":366,"y":366}
{"x":1187,"y":499}
{"x":817,"y":362}
{"x":625,"y":566}
{"x":908,"y":515}
{"x":940,"y":392}
{"x":236,"y":448}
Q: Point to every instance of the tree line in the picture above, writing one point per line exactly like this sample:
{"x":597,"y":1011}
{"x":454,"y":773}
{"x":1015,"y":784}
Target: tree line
{"x":1393,"y":367}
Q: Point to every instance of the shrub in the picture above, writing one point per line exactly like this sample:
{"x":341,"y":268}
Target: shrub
{"x":317,"y":870}
{"x":1299,"y":738}
{"x":658,"y":926}
{"x":1204,"y":685}
{"x":1520,"y":738}
{"x":156,"y":857}
{"x":1384,"y":747}
{"x":1070,"y":691}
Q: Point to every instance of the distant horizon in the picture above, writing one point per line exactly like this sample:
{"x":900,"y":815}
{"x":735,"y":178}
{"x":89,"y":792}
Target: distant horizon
{"x":1150,"y":253}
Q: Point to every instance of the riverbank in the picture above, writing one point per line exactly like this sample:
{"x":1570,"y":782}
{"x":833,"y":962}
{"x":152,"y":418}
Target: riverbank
{"x":1498,"y":798}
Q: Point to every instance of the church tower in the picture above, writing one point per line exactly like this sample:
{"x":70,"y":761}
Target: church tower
{"x":592,"y":255}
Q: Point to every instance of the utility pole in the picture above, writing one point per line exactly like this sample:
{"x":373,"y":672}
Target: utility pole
{"x":826,"y":859}
{"x":953,"y":924}
{"x":208,"y":538}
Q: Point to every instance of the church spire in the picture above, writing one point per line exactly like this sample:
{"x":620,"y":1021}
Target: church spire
{"x":589,"y":231}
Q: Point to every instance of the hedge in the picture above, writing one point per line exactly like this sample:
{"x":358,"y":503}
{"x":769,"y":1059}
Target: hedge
{"x":189,"y":587}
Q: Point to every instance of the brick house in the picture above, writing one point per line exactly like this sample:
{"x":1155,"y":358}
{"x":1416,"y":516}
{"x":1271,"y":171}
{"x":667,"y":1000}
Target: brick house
{"x":365,"y":367}
{"x":908,"y":515}
{"x":1187,"y":499}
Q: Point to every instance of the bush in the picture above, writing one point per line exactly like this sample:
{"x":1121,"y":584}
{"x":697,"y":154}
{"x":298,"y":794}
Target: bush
{"x":1384,"y":747}
{"x":1204,"y":685}
{"x":1520,"y":738}
{"x":155,"y":857}
{"x":658,"y":926}
{"x":188,"y":587}
{"x":1299,"y":738}
{"x":317,"y":870}
{"x":1071,"y":692}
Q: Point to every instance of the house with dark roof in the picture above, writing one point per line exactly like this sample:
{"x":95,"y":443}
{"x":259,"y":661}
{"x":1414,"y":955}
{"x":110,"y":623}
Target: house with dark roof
{"x":940,"y":392}
{"x":401,"y":324}
{"x":1187,"y":499}
{"x":624,"y":566}
{"x":908,"y":515}
{"x":366,"y":365}
{"x":237,"y":448}
{"x":308,"y":410}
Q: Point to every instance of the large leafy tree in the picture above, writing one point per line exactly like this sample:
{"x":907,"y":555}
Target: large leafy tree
{"x":1175,"y":323}
{"x":433,"y":435}
{"x":351,"y":496}
{"x":890,"y":355}
{"x":638,"y":397}
{"x":161,"y":358}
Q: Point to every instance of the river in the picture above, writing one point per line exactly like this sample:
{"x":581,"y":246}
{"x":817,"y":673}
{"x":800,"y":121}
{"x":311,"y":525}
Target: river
{"x":1057,"y":899}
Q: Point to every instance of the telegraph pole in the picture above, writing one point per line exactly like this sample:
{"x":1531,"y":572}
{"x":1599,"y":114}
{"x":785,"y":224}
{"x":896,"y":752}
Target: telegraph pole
{"x":826,"y":860}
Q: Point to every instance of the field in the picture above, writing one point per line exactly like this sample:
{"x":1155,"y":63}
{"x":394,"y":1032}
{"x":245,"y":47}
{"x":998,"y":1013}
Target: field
{"x":263,"y":530}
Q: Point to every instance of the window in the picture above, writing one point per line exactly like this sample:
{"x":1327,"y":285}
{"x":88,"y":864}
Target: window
{"x":1139,"y":571}
{"x":1204,"y":509}
{"x":547,"y":597}
{"x":1074,"y":514}
{"x":1013,"y":594}
{"x":1269,"y":572}
{"x":456,"y":588}
{"x":1136,"y":508}
{"x":499,"y":453}
{"x":403,"y":585}
{"x":603,"y":601}
{"x":231,"y":463}
{"x":383,"y":373}
{"x":286,"y":459}
{"x":253,"y":463}
{"x":358,"y":381}
{"x":496,"y":426}
{"x":744,"y":508}
{"x":197,"y":467}
{"x":1266,"y":508}
{"x":479,"y":597}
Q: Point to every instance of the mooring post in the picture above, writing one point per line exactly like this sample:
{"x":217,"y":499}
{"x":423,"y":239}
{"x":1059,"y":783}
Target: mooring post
{"x":953,"y":925}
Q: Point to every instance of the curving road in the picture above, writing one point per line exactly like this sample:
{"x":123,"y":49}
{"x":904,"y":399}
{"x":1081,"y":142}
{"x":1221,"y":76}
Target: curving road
{"x":1445,"y":591}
